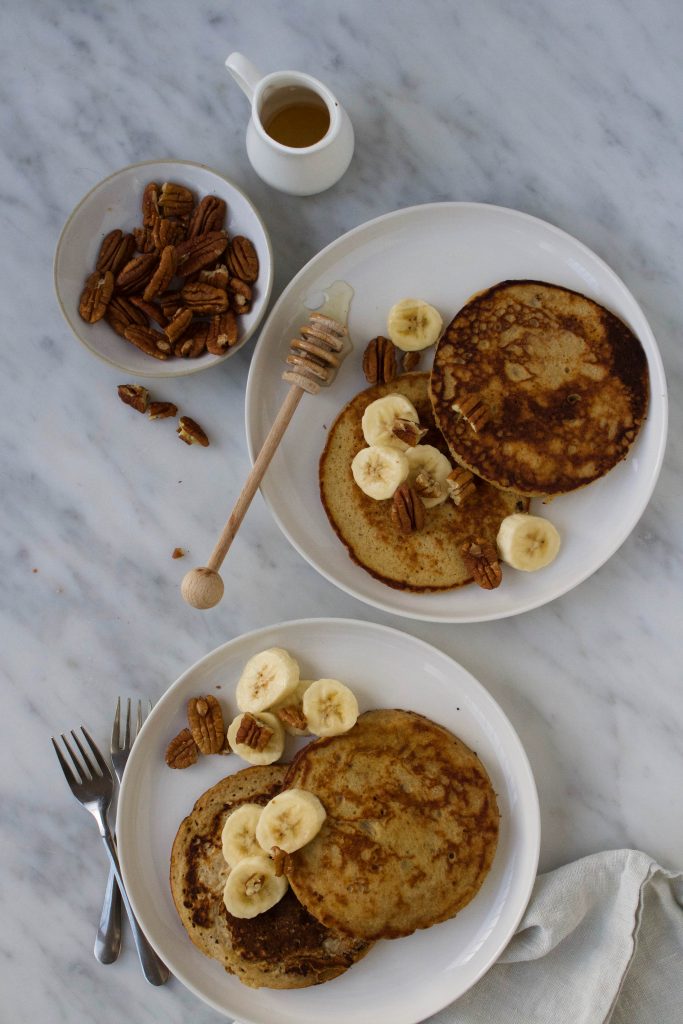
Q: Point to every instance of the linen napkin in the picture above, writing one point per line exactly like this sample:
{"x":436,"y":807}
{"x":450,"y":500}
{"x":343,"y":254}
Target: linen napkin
{"x":601,"y":940}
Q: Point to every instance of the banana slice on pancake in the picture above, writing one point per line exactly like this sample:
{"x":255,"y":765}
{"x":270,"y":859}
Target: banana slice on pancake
{"x":238,"y":839}
{"x":267,"y":678}
{"x":290,"y":820}
{"x":330,"y":707}
{"x":527,"y":542}
{"x":392,"y":420}
{"x":253,"y":887}
{"x":271,"y":743}
{"x":379,"y":471}
{"x":428,"y":473}
{"x":413,"y":324}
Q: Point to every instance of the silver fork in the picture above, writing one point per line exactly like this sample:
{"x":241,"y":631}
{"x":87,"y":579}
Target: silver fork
{"x":108,"y":938}
{"x":94,"y":790}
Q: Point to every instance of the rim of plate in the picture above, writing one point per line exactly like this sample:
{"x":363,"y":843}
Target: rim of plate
{"x":523,"y":776}
{"x":151,"y":163}
{"x":657,"y":383}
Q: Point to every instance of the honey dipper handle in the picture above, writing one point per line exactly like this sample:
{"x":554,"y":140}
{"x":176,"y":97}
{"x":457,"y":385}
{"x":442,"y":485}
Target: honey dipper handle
{"x":280,"y":424}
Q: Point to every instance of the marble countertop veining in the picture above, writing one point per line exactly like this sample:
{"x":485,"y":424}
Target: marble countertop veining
{"x":570,"y":112}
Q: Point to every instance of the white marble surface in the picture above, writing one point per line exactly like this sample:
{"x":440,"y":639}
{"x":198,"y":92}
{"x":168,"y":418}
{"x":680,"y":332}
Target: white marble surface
{"x":570,"y":112}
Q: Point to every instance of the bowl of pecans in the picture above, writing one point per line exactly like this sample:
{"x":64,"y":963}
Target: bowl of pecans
{"x":163,"y":269}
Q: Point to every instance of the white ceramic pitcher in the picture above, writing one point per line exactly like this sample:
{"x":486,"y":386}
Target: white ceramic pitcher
{"x":299,"y":171}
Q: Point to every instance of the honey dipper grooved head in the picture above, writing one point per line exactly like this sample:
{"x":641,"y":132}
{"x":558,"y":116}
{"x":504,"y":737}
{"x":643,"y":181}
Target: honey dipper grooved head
{"x":202,"y":588}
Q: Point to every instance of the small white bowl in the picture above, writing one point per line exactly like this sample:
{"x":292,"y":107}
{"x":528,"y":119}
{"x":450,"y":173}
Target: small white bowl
{"x":115,"y":203}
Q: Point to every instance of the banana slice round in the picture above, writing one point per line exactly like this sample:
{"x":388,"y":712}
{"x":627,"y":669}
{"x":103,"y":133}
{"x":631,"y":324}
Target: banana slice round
{"x":330,"y":707}
{"x":238,"y":838}
{"x":527,"y":542}
{"x":294,"y":703}
{"x":267,"y":678}
{"x":273,"y":749}
{"x":290,"y":820}
{"x":253,"y":887}
{"x":384,"y":415}
{"x":379,"y":470}
{"x":428,"y":473}
{"x":412,"y":324}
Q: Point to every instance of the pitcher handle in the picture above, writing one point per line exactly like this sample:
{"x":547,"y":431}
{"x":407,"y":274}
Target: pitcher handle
{"x":245,"y":74}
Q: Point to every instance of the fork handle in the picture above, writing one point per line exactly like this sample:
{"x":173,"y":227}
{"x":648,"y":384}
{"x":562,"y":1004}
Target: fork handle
{"x":108,"y":938}
{"x":155,"y":970}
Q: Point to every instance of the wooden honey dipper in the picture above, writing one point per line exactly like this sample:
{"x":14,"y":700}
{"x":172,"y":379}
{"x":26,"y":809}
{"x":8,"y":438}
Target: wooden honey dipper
{"x":314,"y":358}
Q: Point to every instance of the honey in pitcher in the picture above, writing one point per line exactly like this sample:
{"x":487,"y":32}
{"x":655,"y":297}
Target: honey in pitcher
{"x":296,"y":117}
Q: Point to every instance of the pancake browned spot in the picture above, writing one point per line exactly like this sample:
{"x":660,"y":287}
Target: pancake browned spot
{"x":427,"y":560}
{"x":561,"y":382}
{"x":283,"y":948}
{"x":411,"y":827}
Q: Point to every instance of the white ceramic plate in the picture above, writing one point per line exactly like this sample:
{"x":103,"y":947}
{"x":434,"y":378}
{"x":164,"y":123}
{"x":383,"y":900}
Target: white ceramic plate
{"x":444,"y":252}
{"x":398,"y":982}
{"x":115,"y":203}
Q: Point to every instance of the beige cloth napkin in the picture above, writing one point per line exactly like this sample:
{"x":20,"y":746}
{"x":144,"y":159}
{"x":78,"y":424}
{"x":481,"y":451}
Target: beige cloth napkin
{"x":601,"y":940}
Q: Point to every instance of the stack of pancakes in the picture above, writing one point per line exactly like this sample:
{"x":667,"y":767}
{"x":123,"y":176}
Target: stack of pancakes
{"x":410,"y":835}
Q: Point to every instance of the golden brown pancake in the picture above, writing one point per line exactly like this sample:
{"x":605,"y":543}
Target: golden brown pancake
{"x":283,"y":948}
{"x":562,"y":385}
{"x":411,"y":827}
{"x":426,"y":560}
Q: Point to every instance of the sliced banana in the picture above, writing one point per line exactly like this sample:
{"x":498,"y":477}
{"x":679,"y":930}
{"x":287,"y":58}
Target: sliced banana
{"x":238,"y":838}
{"x":330,"y":707}
{"x":412,"y":324}
{"x":273,"y":749}
{"x":290,"y":820}
{"x":383,"y":415}
{"x":428,"y":473}
{"x":294,"y":703}
{"x":268,"y":677}
{"x":379,"y":470}
{"x":253,"y":887}
{"x":527,"y":542}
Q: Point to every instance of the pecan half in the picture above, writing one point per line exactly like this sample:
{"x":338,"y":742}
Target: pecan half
{"x":410,"y":361}
{"x":175,"y":200}
{"x":167,"y":232}
{"x":163,"y":275}
{"x":208,"y":215}
{"x":116,"y":249}
{"x":407,"y":510}
{"x":152,"y":342}
{"x":170,"y":303}
{"x":121,"y":313}
{"x":203,"y":298}
{"x":134,"y":395}
{"x":144,"y":239}
{"x":408,"y":432}
{"x":182,"y":750}
{"x":193,"y":342}
{"x":240,"y":295}
{"x":201,"y":251}
{"x":150,"y":309}
{"x":191,"y":433}
{"x":136,"y":273}
{"x":473,"y":410}
{"x":150,"y":204}
{"x":379,"y":361}
{"x":205,"y":719}
{"x":97,"y":292}
{"x":481,"y":560}
{"x":218,"y":276}
{"x":460,"y":483}
{"x":253,"y":733}
{"x":222,"y":333}
{"x":428,"y":486}
{"x":162,"y":410}
{"x":178,"y":324}
{"x":242,"y":259}
{"x":292,"y":716}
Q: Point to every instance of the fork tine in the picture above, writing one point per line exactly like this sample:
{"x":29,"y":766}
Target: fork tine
{"x":84,"y":754}
{"x":116,"y":728}
{"x":104,"y":767}
{"x":126,"y":741}
{"x":138,"y":719}
{"x":77,"y":764}
{"x":70,"y":777}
